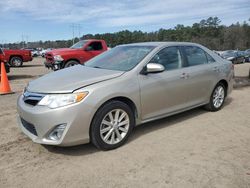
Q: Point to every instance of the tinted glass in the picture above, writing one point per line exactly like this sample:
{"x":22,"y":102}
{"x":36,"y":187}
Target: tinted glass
{"x":195,"y":55}
{"x":1,"y":51}
{"x":96,"y":46}
{"x":122,"y":58}
{"x":169,"y":57}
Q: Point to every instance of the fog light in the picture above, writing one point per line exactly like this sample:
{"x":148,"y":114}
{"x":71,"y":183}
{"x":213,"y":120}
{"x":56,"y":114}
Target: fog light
{"x":57,"y":133}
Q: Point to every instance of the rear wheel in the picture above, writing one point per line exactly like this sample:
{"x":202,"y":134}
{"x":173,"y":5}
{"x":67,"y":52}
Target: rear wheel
{"x":217,"y":98}
{"x":16,"y":62}
{"x":71,"y":63}
{"x":112,"y":125}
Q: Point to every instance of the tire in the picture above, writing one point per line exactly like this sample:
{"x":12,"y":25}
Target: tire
{"x":16,"y":61}
{"x":106,"y":135}
{"x":70,"y":63}
{"x":212,"y":105}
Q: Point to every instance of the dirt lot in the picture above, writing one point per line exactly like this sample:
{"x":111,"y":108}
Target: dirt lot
{"x":192,"y":149}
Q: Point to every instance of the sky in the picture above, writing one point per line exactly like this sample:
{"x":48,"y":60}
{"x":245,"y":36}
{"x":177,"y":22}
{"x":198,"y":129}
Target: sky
{"x":35,"y":20}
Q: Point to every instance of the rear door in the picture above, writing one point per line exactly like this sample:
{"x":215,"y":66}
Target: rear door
{"x":202,"y":71}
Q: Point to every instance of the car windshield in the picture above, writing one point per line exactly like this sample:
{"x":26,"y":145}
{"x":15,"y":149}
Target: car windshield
{"x":122,"y":58}
{"x":228,"y":54}
{"x":78,"y":45}
{"x":247,"y":51}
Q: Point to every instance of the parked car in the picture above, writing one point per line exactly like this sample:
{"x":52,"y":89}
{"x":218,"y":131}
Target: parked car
{"x":16,"y":57}
{"x":34,"y":51}
{"x":126,"y":86}
{"x":2,"y":59}
{"x":247,"y":55}
{"x":79,"y":53}
{"x":234,"y":56}
{"x":44,"y":51}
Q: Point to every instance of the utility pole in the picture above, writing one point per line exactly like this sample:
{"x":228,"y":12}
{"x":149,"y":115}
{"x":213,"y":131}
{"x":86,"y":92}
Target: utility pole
{"x":73,"y":33}
{"x":27,"y":37}
{"x":23,"y":40}
{"x":75,"y":27}
{"x":79,"y":31}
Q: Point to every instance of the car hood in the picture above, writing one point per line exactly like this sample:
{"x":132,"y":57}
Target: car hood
{"x":69,"y":79}
{"x":62,"y":51}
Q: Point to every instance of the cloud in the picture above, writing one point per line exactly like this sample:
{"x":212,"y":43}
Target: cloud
{"x":110,"y":13}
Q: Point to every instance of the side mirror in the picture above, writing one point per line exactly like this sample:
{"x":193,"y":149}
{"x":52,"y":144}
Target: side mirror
{"x":153,"y":68}
{"x":88,"y":48}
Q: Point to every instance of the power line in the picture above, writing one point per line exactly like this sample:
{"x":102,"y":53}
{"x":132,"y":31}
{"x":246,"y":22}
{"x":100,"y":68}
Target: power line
{"x":75,"y":28}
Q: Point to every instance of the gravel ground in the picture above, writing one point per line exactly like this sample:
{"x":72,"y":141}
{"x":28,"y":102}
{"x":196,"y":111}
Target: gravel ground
{"x":193,"y":149}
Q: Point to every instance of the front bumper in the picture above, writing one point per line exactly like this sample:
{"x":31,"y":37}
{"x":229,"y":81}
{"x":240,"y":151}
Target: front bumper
{"x":53,"y":65}
{"x":38,"y":121}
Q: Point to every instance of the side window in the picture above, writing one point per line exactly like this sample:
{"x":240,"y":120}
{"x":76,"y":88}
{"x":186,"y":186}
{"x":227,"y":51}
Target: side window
{"x":169,"y":57}
{"x":195,"y":55}
{"x":1,"y":51}
{"x":210,"y":59}
{"x":96,"y":46}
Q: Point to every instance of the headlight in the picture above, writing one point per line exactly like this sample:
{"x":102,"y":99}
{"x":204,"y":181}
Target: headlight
{"x":58,"y":58}
{"x":59,"y":100}
{"x":230,"y":58}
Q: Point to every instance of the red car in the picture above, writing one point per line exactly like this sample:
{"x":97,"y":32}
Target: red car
{"x":2,"y":59}
{"x":16,"y":57}
{"x":79,"y":53}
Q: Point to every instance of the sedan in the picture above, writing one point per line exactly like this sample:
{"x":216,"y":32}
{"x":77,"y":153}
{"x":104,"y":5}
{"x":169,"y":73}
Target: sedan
{"x":234,"y":56}
{"x":102,"y":101}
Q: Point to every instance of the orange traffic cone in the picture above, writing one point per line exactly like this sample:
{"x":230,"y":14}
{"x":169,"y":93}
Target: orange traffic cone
{"x":4,"y":85}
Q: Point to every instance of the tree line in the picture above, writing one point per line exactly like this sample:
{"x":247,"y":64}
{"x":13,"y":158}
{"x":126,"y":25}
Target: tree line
{"x":208,"y":32}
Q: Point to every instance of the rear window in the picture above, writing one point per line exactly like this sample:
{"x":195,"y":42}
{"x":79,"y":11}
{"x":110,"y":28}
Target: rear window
{"x":195,"y":55}
{"x":95,"y":46}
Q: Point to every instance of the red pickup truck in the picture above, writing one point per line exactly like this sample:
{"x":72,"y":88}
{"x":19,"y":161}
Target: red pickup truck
{"x":79,"y":53}
{"x":16,"y":57}
{"x":2,"y":59}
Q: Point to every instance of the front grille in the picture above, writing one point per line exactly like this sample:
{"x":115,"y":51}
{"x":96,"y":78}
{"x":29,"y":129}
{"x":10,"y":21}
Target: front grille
{"x":49,"y":57}
{"x":32,"y":98}
{"x":31,"y":128}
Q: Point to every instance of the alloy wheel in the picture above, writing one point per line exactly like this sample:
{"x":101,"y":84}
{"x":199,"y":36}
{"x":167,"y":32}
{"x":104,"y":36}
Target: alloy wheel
{"x":114,"y":126}
{"x":17,"y":62}
{"x":218,"y":96}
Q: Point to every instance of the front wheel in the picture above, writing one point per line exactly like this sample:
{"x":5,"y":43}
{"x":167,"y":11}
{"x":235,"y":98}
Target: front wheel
{"x":112,"y":125}
{"x":71,"y":63}
{"x":217,"y":98}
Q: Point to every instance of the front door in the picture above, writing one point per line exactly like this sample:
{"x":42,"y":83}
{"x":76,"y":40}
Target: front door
{"x":164,"y":92}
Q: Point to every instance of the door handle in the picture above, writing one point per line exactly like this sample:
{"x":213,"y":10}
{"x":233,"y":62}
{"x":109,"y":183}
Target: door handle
{"x":184,"y":76}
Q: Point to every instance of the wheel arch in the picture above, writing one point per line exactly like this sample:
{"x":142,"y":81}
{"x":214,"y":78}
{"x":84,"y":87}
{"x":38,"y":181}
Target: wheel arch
{"x":225,"y":83}
{"x":11,"y":56}
{"x":123,"y":99}
{"x":71,"y":59}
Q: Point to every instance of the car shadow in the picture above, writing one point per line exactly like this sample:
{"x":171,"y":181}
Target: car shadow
{"x":81,"y":150}
{"x":33,"y":65}
{"x":241,"y":81}
{"x":87,"y":149}
{"x":17,"y":77}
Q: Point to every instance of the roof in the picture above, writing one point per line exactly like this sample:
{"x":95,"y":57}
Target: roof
{"x":160,"y":44}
